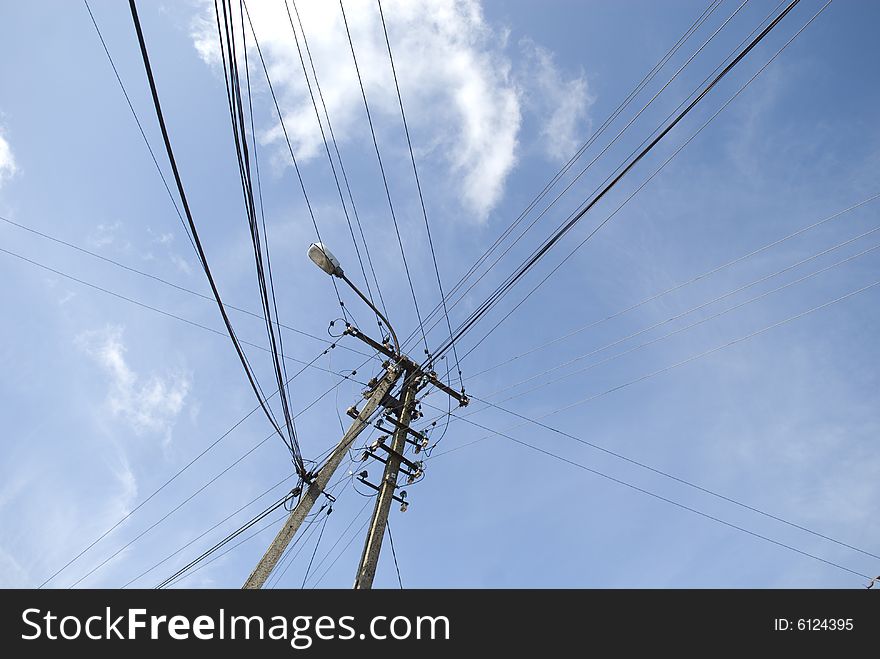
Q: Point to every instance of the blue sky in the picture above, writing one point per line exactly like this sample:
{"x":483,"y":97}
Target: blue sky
{"x":104,"y":400}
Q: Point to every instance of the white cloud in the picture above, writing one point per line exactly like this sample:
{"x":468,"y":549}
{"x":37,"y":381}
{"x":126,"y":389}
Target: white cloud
{"x":560,"y":104}
{"x":8,"y":168}
{"x":150,"y":404}
{"x":462,"y":101}
{"x":104,"y":234}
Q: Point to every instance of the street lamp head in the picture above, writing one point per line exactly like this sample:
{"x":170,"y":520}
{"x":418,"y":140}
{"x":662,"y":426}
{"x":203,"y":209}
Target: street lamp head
{"x":324,"y":259}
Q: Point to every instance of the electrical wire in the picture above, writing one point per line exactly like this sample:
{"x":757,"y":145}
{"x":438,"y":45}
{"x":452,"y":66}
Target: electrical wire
{"x":701,"y":321}
{"x":317,"y":544}
{"x":683,"y":362}
{"x":650,"y":177}
{"x":168,"y":314}
{"x":262,"y":259}
{"x":327,"y":149}
{"x":206,"y":563}
{"x":419,"y":188}
{"x":159,"y":489}
{"x":182,"y":193}
{"x":289,"y":555}
{"x":684,"y":507}
{"x":347,"y":545}
{"x":290,"y":147}
{"x":393,"y":552}
{"x":565,"y":168}
{"x":681,"y":285}
{"x":548,"y":244}
{"x":140,"y":126}
{"x":275,"y":506}
{"x":384,"y":177}
{"x":595,"y":158}
{"x":204,"y":533}
{"x":166,"y":282}
{"x":201,"y":489}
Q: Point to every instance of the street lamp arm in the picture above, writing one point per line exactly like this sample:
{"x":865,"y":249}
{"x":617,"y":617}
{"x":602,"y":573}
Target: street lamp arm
{"x":342,"y":276}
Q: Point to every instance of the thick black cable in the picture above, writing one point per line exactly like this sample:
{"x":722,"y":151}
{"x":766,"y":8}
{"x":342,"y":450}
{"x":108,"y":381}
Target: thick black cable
{"x":648,"y":179}
{"x":206,"y":532}
{"x":549,"y":243}
{"x":613,"y":141}
{"x":260,"y":193}
{"x":713,"y":5}
{"x":229,"y":538}
{"x":229,"y":58}
{"x":182,"y":193}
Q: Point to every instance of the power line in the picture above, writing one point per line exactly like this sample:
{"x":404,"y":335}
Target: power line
{"x":290,"y":146}
{"x":394,"y":553}
{"x":347,"y":544}
{"x":342,"y":535}
{"x":205,"y":563}
{"x":201,"y":489}
{"x":317,"y":544}
{"x":680,"y":480}
{"x":143,"y":305}
{"x":204,"y":533}
{"x":342,"y":168}
{"x":681,"y":285}
{"x":268,"y":511}
{"x":166,"y":282}
{"x":289,"y":555}
{"x":327,"y":149}
{"x":559,"y":174}
{"x":683,"y":362}
{"x":182,"y":193}
{"x":595,"y":158}
{"x":384,"y":177}
{"x":690,"y":311}
{"x":419,"y":188}
{"x":553,"y":239}
{"x":159,"y":489}
{"x":140,"y":126}
{"x":648,"y":179}
{"x":682,"y":506}
{"x":229,"y":59}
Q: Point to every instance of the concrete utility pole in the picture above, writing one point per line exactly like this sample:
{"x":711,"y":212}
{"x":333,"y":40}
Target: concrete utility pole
{"x":403,"y":407}
{"x":373,"y":545}
{"x":320,"y":481}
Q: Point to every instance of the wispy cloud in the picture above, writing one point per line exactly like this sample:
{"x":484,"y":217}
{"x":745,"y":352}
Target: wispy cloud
{"x":561,"y":103}
{"x":462,"y":100}
{"x":147,"y":404}
{"x":104,"y":235}
{"x":8,"y":168}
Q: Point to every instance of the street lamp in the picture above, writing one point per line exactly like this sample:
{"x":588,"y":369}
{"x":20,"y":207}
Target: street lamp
{"x":324,"y":259}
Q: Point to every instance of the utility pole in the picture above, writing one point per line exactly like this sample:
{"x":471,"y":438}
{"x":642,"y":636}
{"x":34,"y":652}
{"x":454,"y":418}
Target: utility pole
{"x":378,"y":394}
{"x":373,"y":545}
{"x":320,"y":481}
